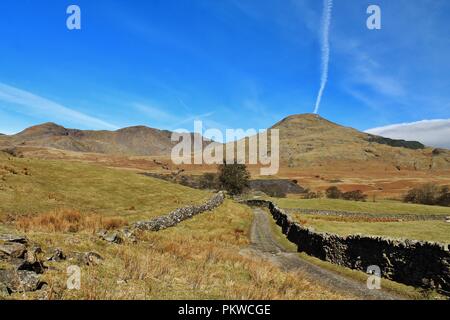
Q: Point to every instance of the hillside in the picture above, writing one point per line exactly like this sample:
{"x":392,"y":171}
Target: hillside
{"x":32,"y":186}
{"x":310,"y":140}
{"x":138,"y":140}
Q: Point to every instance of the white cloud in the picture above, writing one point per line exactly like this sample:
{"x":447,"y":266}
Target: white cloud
{"x":435,"y":133}
{"x":40,"y":106}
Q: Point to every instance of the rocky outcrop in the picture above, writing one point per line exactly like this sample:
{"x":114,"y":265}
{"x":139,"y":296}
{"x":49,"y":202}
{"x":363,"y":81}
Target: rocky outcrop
{"x":23,"y":263}
{"x":25,"y":267}
{"x":86,"y":258}
{"x":19,"y":281}
{"x":179,"y":215}
{"x":57,"y":255}
{"x":416,"y":263}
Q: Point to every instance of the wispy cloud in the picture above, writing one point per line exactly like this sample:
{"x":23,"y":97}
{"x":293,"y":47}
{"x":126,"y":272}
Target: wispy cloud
{"x":435,"y":133}
{"x":40,"y":106}
{"x":169,"y":120}
{"x":326,"y":21}
{"x":155,"y":113}
{"x":191,"y":119}
{"x":382,"y":83}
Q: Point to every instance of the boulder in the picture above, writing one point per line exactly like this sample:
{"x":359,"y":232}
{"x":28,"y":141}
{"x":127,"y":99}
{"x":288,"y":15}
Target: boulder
{"x":88,"y":258}
{"x":112,"y":237}
{"x":32,"y":254}
{"x":12,"y":250}
{"x":13,"y":238}
{"x":36,"y":267}
{"x":57,"y":255}
{"x":92,"y":258}
{"x":129,"y":235}
{"x":19,"y":281}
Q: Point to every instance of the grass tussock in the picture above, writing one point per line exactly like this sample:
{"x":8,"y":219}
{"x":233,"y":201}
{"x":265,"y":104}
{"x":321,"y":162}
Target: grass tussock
{"x":67,"y":220}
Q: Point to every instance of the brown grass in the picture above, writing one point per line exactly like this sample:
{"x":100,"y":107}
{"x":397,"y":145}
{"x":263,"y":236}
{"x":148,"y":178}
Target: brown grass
{"x":67,"y":220}
{"x":199,"y":259}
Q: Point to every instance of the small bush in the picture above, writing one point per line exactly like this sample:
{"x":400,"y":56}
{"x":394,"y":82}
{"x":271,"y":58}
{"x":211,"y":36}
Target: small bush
{"x":429,"y":194}
{"x":356,"y":195}
{"x":444,"y":200}
{"x":313,"y":195}
{"x":209,"y":181}
{"x":333,"y":193}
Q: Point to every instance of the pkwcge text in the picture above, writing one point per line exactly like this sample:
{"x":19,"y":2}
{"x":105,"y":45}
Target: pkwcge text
{"x":226,"y":309}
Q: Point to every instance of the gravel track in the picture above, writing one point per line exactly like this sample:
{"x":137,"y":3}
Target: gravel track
{"x":265,"y":245}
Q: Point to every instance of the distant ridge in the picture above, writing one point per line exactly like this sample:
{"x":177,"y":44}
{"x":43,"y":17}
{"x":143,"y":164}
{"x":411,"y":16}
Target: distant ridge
{"x":139,"y":140}
{"x":306,"y":140}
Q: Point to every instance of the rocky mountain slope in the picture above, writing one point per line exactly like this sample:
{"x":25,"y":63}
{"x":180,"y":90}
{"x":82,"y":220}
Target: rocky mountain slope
{"x":139,"y":140}
{"x":310,"y":140}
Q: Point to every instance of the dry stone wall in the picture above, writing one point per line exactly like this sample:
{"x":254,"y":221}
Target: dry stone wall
{"x":416,"y":263}
{"x":180,"y":214}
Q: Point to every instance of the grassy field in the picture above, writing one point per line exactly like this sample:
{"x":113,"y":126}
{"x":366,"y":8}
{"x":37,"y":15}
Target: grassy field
{"x":438,"y":231}
{"x":382,"y":206}
{"x":29,"y":186}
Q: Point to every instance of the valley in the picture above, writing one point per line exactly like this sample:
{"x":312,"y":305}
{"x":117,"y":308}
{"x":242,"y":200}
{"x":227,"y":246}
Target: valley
{"x":61,"y":188}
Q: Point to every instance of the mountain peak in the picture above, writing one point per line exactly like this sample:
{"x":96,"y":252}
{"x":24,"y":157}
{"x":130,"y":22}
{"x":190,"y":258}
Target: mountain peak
{"x":135,"y":129}
{"x":48,"y":128}
{"x":304,"y":120}
{"x":304,"y":116}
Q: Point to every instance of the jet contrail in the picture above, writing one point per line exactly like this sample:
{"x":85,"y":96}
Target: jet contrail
{"x":326,"y":21}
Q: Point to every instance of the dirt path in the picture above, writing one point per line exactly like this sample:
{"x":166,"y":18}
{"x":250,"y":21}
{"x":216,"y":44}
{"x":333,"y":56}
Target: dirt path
{"x":266,"y":246}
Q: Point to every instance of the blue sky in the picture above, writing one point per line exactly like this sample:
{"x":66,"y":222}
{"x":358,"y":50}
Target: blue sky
{"x":231,"y":63}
